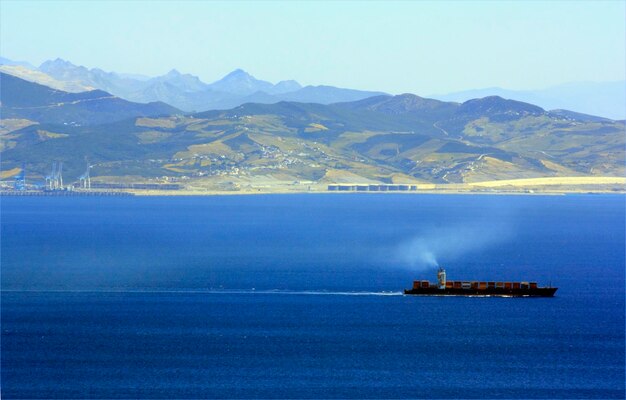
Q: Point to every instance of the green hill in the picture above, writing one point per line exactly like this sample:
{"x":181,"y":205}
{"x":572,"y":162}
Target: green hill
{"x":383,"y":139}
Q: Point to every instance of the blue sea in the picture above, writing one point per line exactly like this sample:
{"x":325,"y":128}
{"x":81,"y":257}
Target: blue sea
{"x":299,"y":296}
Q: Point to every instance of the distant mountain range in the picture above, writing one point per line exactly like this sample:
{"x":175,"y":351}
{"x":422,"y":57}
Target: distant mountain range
{"x":184,"y":91}
{"x":607,"y":99}
{"x":20,"y":99}
{"x":404,"y":138}
{"x":189,"y":93}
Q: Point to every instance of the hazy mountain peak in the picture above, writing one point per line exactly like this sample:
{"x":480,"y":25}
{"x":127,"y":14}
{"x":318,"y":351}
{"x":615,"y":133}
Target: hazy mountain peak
{"x":177,"y":80}
{"x":57,"y":63}
{"x":64,"y":70}
{"x":288,"y":82}
{"x":238,"y":72}
{"x":237,"y":75}
{"x":240,"y":82}
{"x":286,"y":86}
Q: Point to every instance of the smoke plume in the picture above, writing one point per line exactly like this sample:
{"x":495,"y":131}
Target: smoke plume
{"x":427,"y":249}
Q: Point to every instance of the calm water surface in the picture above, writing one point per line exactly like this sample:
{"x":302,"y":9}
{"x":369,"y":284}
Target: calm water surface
{"x":298,"y":296}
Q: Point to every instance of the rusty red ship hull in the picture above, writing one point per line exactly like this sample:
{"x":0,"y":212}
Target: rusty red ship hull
{"x":435,"y":291}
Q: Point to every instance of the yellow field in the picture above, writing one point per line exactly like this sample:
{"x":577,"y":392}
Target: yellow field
{"x":9,"y":173}
{"x":564,"y":180}
{"x":44,"y":135}
{"x":156,"y":122}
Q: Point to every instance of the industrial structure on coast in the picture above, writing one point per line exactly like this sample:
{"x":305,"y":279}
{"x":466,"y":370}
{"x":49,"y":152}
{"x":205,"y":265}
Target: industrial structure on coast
{"x":53,"y":185}
{"x":383,"y":187}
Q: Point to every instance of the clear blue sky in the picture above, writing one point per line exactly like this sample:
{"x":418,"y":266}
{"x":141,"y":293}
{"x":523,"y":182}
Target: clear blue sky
{"x":419,"y":47}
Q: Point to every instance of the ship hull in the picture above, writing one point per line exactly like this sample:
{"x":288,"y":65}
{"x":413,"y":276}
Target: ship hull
{"x":499,"y":292}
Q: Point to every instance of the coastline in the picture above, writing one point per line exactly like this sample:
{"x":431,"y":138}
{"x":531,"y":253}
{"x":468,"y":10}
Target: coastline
{"x":192,"y":193}
{"x":525,"y":186}
{"x":331,"y":193}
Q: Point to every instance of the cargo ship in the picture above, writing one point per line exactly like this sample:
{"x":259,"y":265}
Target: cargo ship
{"x":444,"y":287}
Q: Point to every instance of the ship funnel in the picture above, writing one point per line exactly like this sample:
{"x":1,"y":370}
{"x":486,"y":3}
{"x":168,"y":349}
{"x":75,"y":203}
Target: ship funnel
{"x":441,"y":278}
